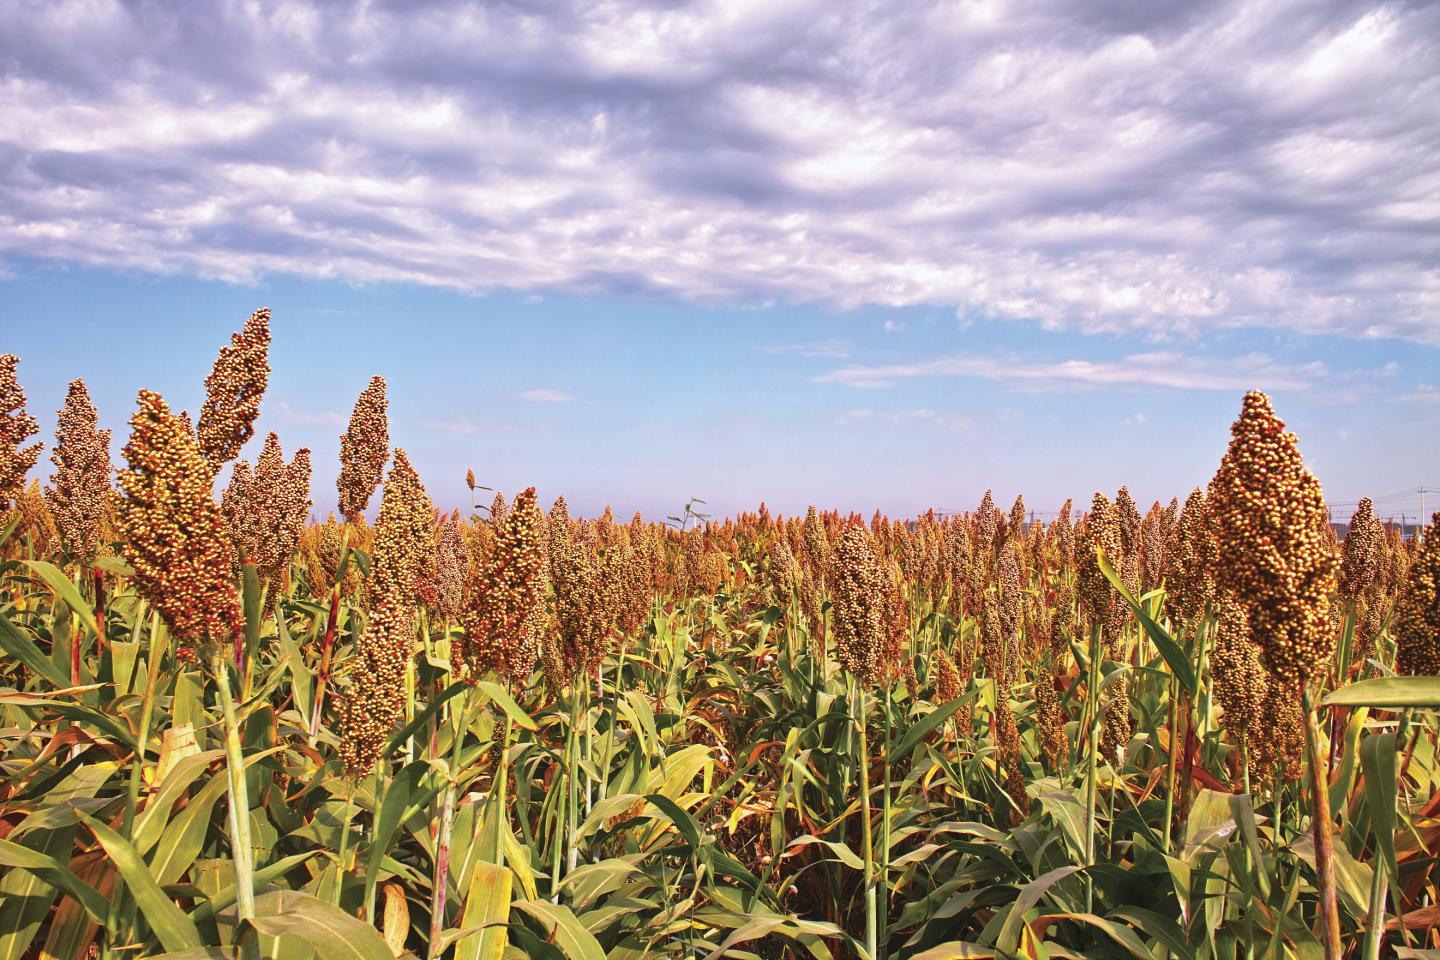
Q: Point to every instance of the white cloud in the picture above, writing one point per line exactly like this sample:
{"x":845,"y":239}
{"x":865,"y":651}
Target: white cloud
{"x":834,"y":349}
{"x":546,"y":395}
{"x":893,"y":326}
{"x":1164,"y":168}
{"x":456,"y":425}
{"x":949,"y":421}
{"x":1158,"y":369}
{"x":291,"y":414}
{"x":1426,"y":393}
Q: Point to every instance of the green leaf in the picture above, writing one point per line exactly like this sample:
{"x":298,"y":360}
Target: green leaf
{"x":507,"y":703}
{"x":225,"y":898}
{"x":64,"y":588}
{"x":22,"y":648}
{"x":927,"y":724}
{"x":1389,"y":693}
{"x":423,"y":717}
{"x":1377,"y":759}
{"x":56,"y":874}
{"x":842,"y":852}
{"x":1029,"y":895}
{"x":685,"y":823}
{"x":169,"y":923}
{"x":403,"y":796}
{"x":333,"y":933}
{"x":955,"y":950}
{"x":566,"y":932}
{"x":487,"y":905}
{"x":1175,"y":656}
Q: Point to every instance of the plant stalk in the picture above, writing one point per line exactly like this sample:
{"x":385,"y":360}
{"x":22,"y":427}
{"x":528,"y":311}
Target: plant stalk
{"x":1324,"y":835}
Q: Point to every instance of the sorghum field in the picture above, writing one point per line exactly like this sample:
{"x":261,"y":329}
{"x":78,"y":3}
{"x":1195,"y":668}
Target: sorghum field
{"x":1199,"y":729}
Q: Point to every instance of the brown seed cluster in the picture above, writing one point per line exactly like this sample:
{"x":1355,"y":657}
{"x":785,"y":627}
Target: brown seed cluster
{"x":364,"y":448}
{"x":587,"y":600}
{"x":404,"y":530}
{"x":858,"y":586}
{"x":1050,"y":721}
{"x":1417,"y":613}
{"x":505,"y":616}
{"x":452,"y":566}
{"x":1270,"y":524}
{"x":16,"y":426}
{"x":1362,"y":553}
{"x":1101,"y":535}
{"x":233,"y":391}
{"x":173,"y":533}
{"x":80,"y":485}
{"x":1191,"y":586}
{"x":266,"y":509}
{"x":1241,"y":680}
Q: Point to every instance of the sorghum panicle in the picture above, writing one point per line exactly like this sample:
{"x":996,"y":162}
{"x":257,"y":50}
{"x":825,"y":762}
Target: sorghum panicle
{"x":1417,"y":612}
{"x":505,"y":616}
{"x":376,"y":701}
{"x":16,"y":426}
{"x":81,"y":482}
{"x":1270,"y":524}
{"x":174,"y":535}
{"x":233,"y":391}
{"x":364,"y":448}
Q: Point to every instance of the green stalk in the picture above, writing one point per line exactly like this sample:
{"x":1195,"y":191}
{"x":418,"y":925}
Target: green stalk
{"x":869,"y":844}
{"x":1375,"y":918}
{"x":1171,"y":764}
{"x":572,"y":802}
{"x":239,"y":804}
{"x":1092,"y":695}
{"x":883,"y":913}
{"x":441,"y":881}
{"x":1323,"y":830}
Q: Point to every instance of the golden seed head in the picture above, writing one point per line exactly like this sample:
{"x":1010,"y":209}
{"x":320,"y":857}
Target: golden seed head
{"x":858,"y":586}
{"x":173,"y":533}
{"x":16,"y":426}
{"x":1417,"y":612}
{"x":505,"y":615}
{"x":1270,"y":525}
{"x":233,"y":392}
{"x":364,"y":448}
{"x":1191,"y":585}
{"x":947,"y":677}
{"x":80,"y":485}
{"x":266,"y":509}
{"x":1241,"y":680}
{"x":403,"y":532}
{"x":452,"y":566}
{"x":1362,"y":553}
{"x":1101,"y":534}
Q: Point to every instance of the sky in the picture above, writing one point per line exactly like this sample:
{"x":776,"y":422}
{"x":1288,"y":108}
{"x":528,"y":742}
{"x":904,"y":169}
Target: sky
{"x":858,"y":256}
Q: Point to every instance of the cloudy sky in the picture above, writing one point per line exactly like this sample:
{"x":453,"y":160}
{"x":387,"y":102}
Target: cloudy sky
{"x":863,"y":256}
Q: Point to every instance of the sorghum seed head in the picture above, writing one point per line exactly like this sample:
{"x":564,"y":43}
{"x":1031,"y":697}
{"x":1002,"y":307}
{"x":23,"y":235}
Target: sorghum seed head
{"x":233,"y":392}
{"x":505,"y":615}
{"x":81,"y":482}
{"x":1417,"y":612}
{"x":1240,"y":678}
{"x":1270,"y":524}
{"x":858,"y":585}
{"x":1362,"y":552}
{"x":16,"y":426}
{"x":174,"y":535}
{"x":376,"y":702}
{"x":364,"y":448}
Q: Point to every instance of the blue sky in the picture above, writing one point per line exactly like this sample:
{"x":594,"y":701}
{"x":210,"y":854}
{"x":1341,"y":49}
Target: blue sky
{"x":793,"y":251}
{"x":642,"y":403}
